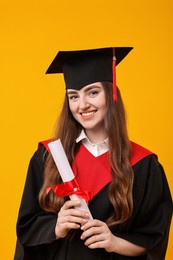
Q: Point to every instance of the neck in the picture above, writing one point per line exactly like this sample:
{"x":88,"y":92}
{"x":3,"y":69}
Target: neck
{"x":95,"y":137}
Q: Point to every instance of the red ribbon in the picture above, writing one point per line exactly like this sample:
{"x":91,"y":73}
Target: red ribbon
{"x":70,"y":188}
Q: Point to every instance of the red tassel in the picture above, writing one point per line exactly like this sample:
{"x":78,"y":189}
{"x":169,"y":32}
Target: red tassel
{"x":114,"y":76}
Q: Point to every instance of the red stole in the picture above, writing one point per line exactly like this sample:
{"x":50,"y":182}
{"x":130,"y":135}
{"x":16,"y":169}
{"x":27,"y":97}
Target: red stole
{"x":94,"y":173}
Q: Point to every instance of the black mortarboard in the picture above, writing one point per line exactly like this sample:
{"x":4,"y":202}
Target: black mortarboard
{"x":84,"y":67}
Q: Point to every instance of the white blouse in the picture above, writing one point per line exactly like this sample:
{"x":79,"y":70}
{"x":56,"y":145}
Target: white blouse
{"x":94,"y":149}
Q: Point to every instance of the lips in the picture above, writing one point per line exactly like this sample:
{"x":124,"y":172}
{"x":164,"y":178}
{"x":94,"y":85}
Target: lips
{"x":87,"y":114}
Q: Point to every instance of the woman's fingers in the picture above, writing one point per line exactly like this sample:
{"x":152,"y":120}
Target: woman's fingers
{"x":70,"y":203}
{"x":70,"y":218}
{"x":73,"y":218}
{"x":96,"y":234}
{"x":69,"y":214}
{"x":91,"y":228}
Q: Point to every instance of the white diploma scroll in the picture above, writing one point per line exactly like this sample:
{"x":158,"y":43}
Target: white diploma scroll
{"x":65,"y":171}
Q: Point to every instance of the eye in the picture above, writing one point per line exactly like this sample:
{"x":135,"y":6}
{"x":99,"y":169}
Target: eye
{"x":93,"y":93}
{"x":73,"y":97}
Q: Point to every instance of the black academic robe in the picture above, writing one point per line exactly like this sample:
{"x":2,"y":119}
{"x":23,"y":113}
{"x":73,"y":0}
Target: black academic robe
{"x":148,"y":227}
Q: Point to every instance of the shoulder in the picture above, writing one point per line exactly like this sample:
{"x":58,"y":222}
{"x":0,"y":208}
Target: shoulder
{"x":139,"y":152}
{"x":38,"y":159}
{"x":45,"y":143}
{"x":149,"y":171}
{"x":145,"y":164}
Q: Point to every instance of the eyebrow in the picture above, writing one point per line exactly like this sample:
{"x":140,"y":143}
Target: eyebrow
{"x":71,"y":92}
{"x":87,"y":89}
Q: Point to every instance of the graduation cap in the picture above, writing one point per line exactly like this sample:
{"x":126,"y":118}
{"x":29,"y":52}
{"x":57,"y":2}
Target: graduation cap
{"x":84,"y":67}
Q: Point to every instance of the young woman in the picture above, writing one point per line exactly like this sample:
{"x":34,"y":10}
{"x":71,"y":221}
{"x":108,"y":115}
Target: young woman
{"x":131,"y":203}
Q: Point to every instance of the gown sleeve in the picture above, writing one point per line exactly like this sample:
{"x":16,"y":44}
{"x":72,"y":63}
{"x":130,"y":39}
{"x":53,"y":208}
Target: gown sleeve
{"x":150,"y":223}
{"x":35,"y":227}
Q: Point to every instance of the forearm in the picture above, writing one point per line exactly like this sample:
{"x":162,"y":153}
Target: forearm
{"x":124,"y":247}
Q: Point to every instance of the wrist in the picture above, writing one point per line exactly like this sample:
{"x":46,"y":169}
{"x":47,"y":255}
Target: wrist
{"x":112,"y":245}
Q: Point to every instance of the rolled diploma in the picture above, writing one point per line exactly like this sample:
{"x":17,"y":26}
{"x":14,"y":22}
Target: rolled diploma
{"x":65,"y":171}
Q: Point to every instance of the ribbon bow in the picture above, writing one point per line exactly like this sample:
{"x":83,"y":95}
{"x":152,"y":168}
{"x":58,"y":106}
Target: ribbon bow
{"x":70,"y":188}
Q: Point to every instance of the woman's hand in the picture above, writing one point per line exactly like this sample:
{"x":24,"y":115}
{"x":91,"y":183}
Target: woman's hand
{"x":69,"y":218}
{"x":97,"y":235}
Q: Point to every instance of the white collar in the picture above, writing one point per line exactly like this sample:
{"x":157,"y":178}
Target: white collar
{"x":83,"y":136}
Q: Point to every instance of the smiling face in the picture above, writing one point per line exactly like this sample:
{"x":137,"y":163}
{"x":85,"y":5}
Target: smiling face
{"x":88,"y":107}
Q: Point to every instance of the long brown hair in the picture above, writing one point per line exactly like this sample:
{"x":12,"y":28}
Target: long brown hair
{"x":120,"y":189}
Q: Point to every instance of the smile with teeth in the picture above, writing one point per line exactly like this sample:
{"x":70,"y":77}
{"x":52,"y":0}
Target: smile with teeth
{"x":88,"y":114}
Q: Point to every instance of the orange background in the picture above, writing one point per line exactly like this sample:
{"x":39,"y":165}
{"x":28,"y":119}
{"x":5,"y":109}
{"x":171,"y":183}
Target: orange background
{"x":31,"y":34}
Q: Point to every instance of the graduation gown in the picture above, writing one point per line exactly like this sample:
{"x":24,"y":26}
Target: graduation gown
{"x":148,"y":226}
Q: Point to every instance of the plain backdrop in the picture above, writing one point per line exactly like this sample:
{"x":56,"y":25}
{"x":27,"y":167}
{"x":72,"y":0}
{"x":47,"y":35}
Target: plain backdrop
{"x":32,"y":32}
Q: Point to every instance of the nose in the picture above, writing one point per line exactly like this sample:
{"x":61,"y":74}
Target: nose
{"x":83,"y":103}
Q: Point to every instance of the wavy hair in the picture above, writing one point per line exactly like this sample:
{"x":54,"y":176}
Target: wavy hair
{"x":120,"y":188}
